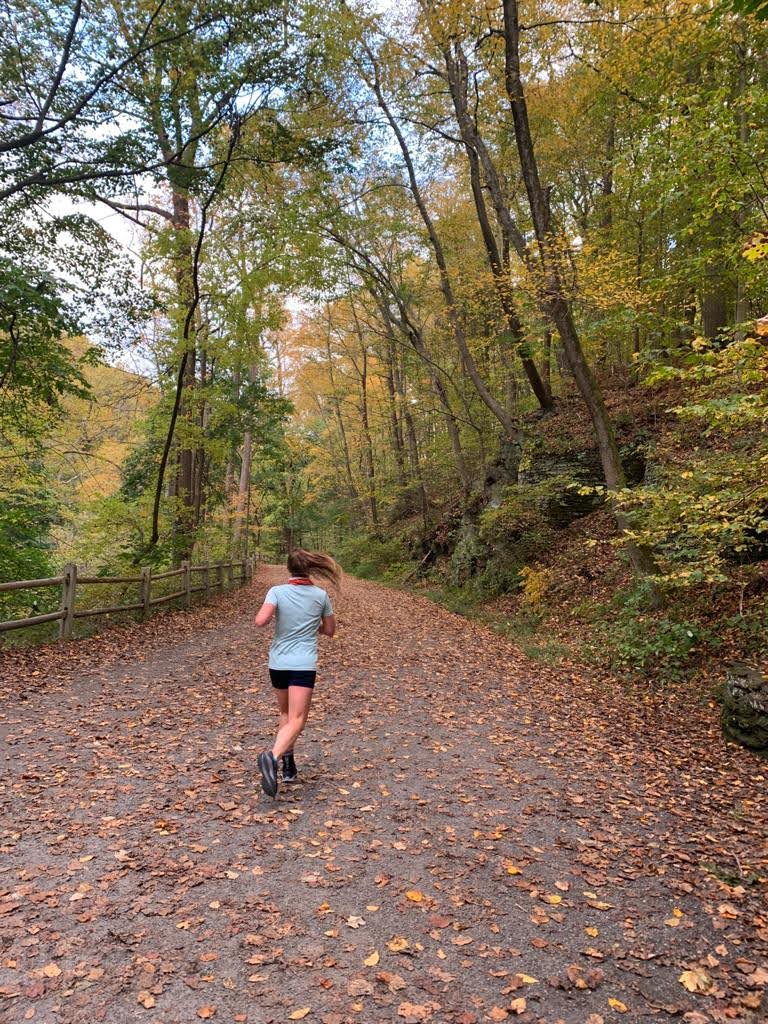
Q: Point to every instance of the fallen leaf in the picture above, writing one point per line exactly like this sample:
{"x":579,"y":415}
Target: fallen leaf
{"x":372,"y":960}
{"x":518,"y":1005}
{"x":413,"y":1013}
{"x":51,"y":970}
{"x":300,"y":1014}
{"x":696,"y":981}
{"x":359,"y":987}
{"x":617,"y":1005}
{"x":206,"y":1012}
{"x":393,"y":981}
{"x":414,"y":895}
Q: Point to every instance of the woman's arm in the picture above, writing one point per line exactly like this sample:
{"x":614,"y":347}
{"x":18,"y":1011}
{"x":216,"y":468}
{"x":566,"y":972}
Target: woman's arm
{"x":327,"y":625}
{"x":265,"y":614}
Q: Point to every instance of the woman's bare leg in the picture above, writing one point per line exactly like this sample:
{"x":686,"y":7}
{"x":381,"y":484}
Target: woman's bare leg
{"x":282,"y":703}
{"x":299,"y":701}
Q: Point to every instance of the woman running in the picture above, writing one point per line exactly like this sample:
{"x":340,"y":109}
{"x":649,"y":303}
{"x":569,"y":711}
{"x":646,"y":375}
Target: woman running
{"x":301,"y":611}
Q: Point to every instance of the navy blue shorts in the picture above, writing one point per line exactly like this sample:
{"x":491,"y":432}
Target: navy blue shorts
{"x":282,"y":678}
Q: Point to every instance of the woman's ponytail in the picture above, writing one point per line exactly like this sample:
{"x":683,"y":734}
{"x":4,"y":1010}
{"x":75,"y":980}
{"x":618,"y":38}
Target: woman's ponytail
{"x":307,"y":563}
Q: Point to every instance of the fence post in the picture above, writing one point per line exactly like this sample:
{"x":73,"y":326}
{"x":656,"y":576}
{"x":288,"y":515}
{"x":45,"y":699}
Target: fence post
{"x":146,"y":591}
{"x":67,"y":606}
{"x":219,"y":577}
{"x":187,"y":584}
{"x":207,"y":580}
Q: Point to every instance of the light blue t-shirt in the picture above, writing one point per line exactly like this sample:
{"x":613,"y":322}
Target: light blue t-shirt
{"x":297,"y":620}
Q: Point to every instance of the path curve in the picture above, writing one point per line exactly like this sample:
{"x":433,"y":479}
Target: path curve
{"x":476,"y":838}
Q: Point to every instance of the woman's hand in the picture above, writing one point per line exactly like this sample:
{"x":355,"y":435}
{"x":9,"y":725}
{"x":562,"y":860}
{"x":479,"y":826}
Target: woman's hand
{"x":327,"y":625}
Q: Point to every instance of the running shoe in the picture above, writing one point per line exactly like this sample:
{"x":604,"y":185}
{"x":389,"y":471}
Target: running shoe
{"x":268,"y":768}
{"x":290,"y":772}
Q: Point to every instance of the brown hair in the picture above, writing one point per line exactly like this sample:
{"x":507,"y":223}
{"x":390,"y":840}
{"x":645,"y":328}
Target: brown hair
{"x":302,"y":563}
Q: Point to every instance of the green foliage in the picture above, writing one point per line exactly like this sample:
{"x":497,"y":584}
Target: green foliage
{"x":36,"y":368}
{"x":757,"y":8}
{"x":706,"y":508}
{"x":373,"y":558}
{"x":26,"y":514}
{"x":517,"y":527}
{"x":629,"y":638}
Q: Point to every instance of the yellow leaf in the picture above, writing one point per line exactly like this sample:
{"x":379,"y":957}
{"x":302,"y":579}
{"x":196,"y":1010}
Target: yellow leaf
{"x":592,"y":931}
{"x":527,"y":979}
{"x":300,"y":1014}
{"x":553,"y":899}
{"x":51,"y":971}
{"x":397,"y":944}
{"x":617,"y":1005}
{"x":414,"y":895}
{"x":512,"y":869}
{"x":372,"y":960}
{"x":518,"y":1005}
{"x":695,"y":981}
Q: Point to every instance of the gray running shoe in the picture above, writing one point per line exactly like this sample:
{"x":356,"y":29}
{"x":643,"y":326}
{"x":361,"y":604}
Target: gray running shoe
{"x":290,"y":772}
{"x":268,"y":768}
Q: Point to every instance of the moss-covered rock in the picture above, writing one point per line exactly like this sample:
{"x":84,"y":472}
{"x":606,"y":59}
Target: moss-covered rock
{"x":745,"y":707}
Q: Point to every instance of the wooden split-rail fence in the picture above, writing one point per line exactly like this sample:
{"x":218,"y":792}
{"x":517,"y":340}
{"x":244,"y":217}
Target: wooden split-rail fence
{"x":213,"y":579}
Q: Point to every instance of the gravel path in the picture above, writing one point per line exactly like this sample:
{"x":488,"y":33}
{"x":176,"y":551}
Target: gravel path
{"x":475,"y":838}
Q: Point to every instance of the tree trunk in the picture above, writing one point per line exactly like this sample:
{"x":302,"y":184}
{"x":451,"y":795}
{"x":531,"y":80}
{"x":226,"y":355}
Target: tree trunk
{"x":186,"y":479}
{"x":714,"y":305}
{"x":416,"y":340}
{"x":446,"y":288}
{"x":413,"y":450}
{"x":335,"y":402}
{"x":457,"y":81}
{"x":606,"y":182}
{"x":553,"y":301}
{"x":395,"y":427}
{"x":244,"y":487}
{"x":547,"y":361}
{"x":369,"y":461}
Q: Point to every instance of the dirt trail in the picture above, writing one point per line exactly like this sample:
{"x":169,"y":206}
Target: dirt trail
{"x":475,"y":838}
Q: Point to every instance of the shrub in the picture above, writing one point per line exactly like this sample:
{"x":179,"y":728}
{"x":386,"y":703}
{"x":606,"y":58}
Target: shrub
{"x":536,"y":584}
{"x":633,"y":641}
{"x":373,"y":558}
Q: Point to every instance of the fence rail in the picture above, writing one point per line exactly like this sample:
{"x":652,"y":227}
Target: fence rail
{"x":217,"y":577}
